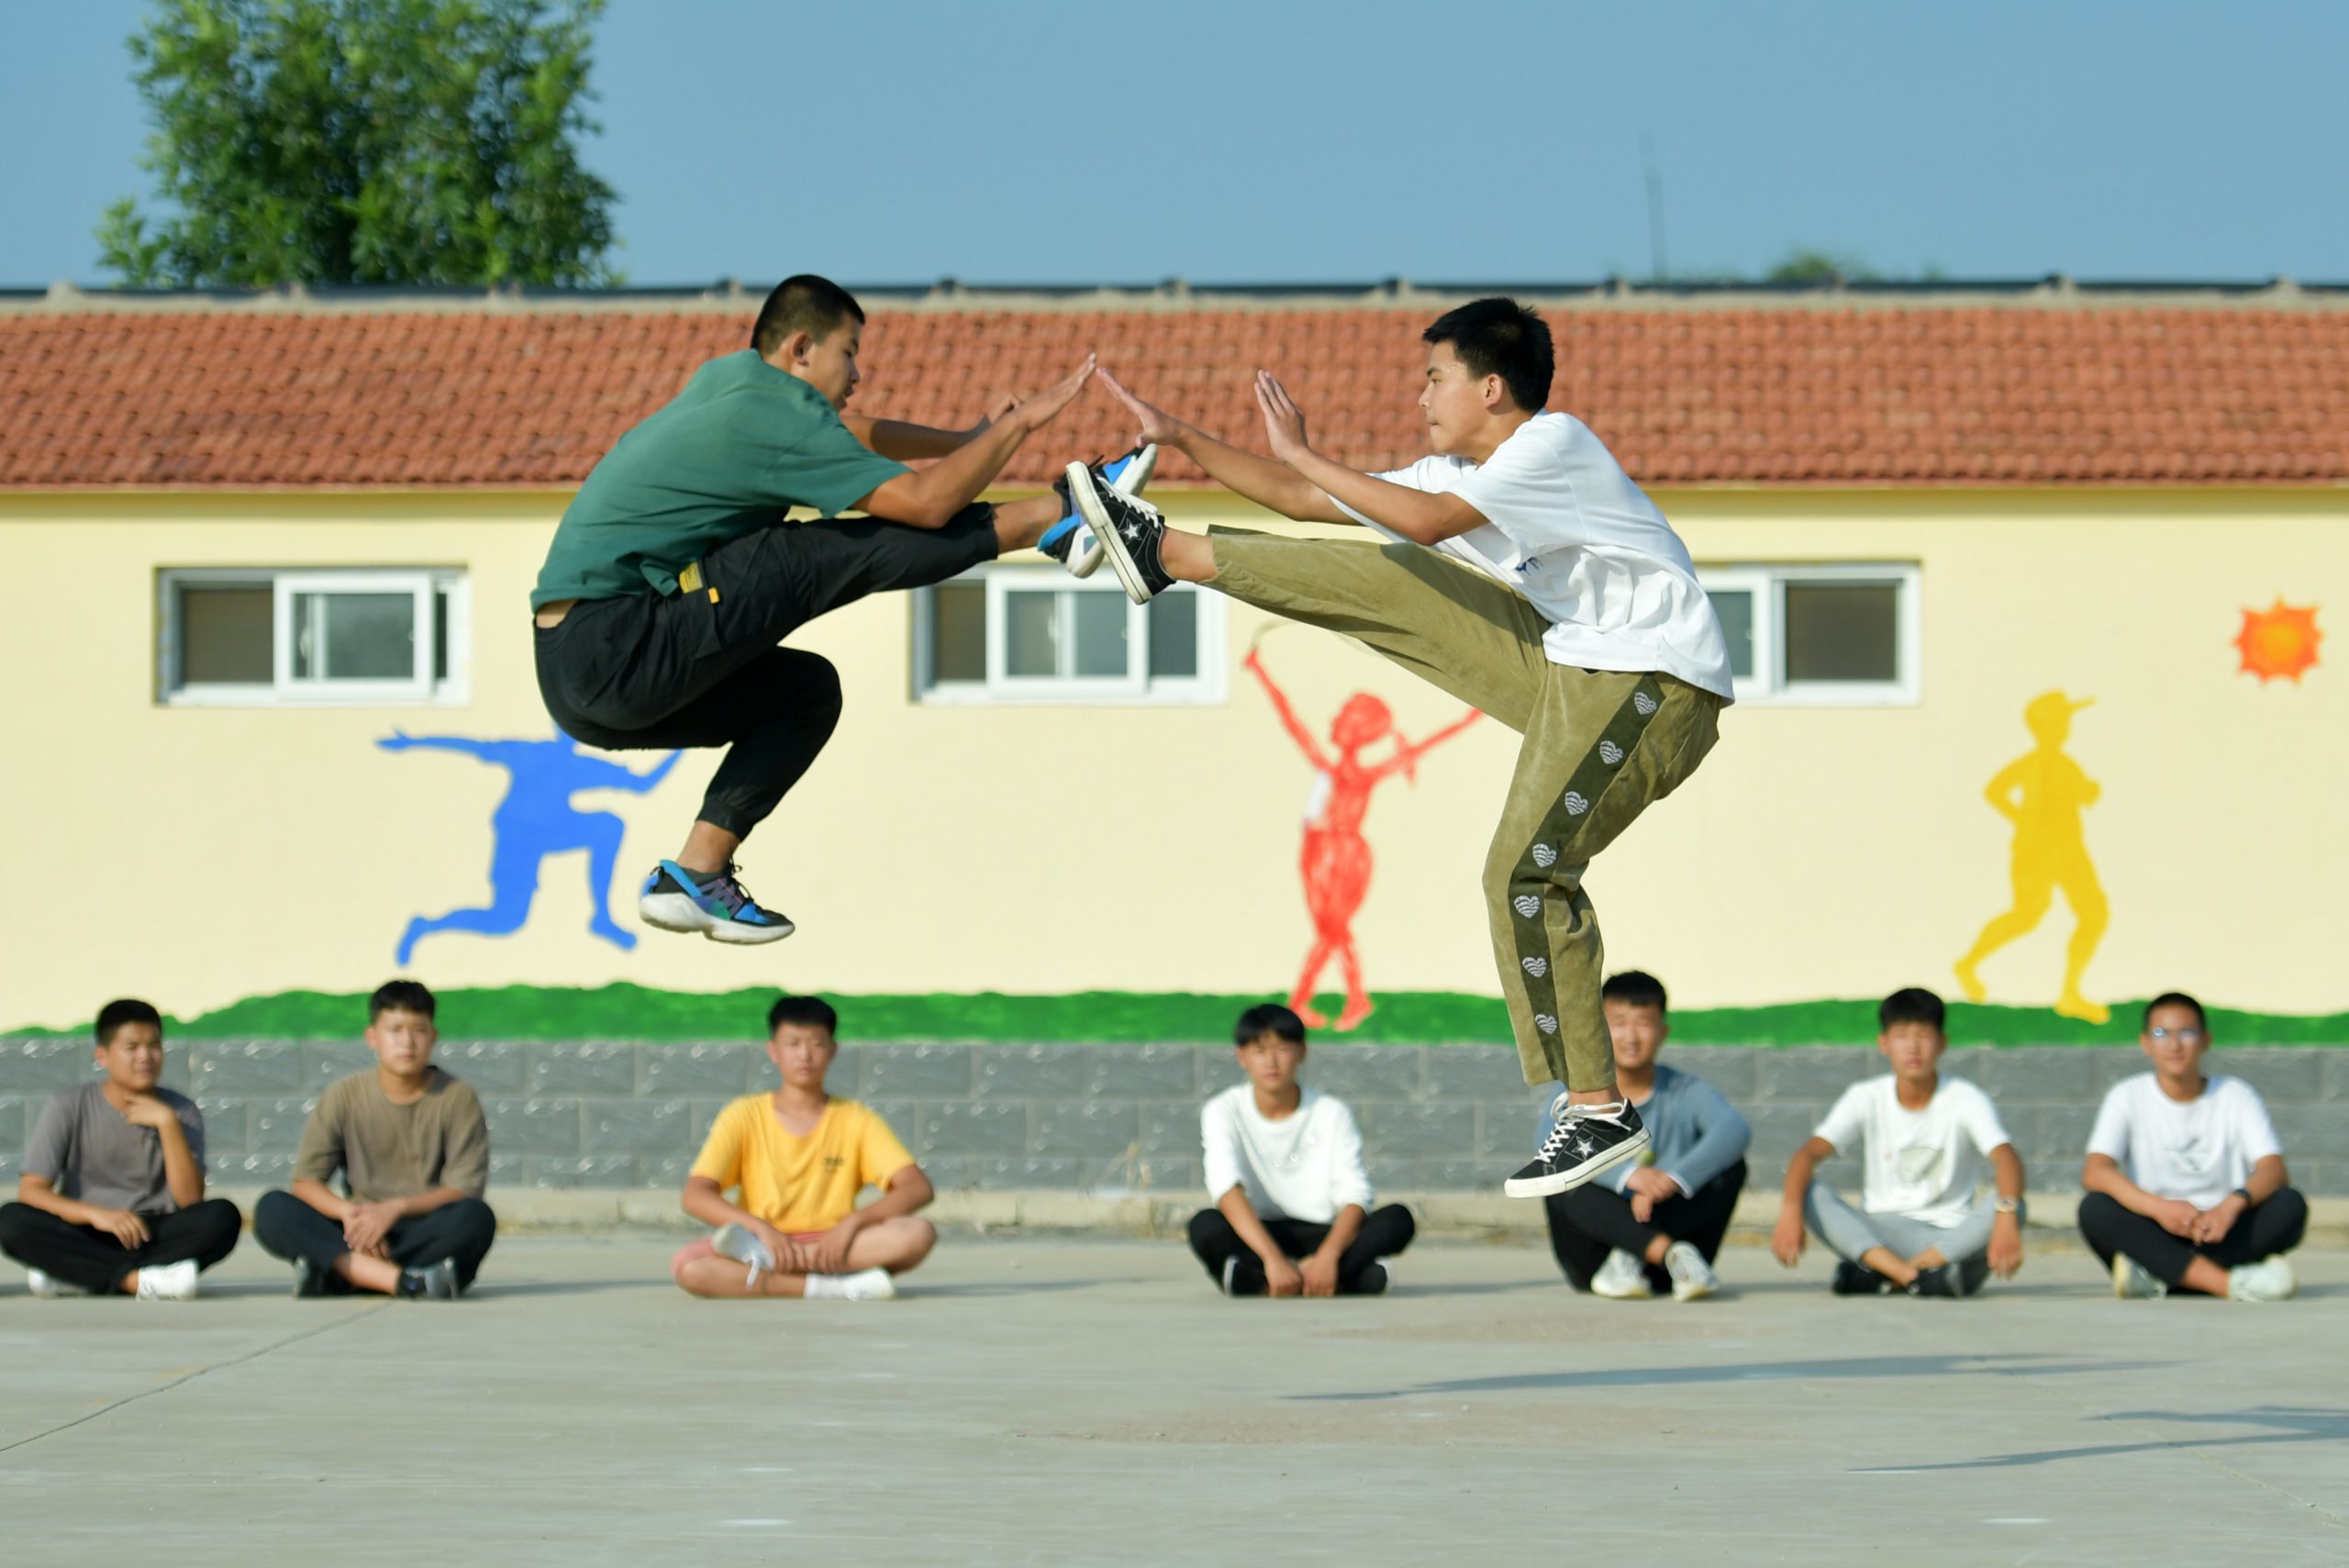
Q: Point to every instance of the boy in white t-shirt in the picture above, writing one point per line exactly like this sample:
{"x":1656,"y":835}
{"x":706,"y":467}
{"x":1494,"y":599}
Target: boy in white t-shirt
{"x":1924,"y":1225}
{"x":2185,"y":1177}
{"x":1527,"y":576}
{"x":1292,"y":1212}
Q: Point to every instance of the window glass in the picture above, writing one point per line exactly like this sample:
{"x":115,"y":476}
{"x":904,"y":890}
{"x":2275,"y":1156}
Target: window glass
{"x":227,"y":635}
{"x":1843,"y":631}
{"x":1735,"y":609}
{"x":1101,"y":634}
{"x":1031,"y":634}
{"x":354,"y":636}
{"x":958,"y":632}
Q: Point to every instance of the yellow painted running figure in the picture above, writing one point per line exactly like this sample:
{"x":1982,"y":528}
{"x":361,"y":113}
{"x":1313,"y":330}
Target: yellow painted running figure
{"x":2042,"y":792}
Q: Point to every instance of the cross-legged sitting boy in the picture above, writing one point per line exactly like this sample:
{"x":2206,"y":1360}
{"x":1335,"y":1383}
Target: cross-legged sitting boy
{"x":412,"y":1148}
{"x":1292,"y":1212}
{"x":111,"y":1199}
{"x":796,"y":1160}
{"x":1924,"y":1225}
{"x":1654,"y":1224}
{"x":2186,"y":1183}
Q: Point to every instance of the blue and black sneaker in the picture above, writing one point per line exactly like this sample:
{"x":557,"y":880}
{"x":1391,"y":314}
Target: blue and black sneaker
{"x":1071,"y":541}
{"x":1128,"y":528}
{"x":714,"y":904}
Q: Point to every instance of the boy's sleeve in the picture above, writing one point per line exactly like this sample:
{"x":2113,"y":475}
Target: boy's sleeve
{"x":192,"y":1127}
{"x":881,"y":1156}
{"x":1721,"y":1138}
{"x":1982,"y":1123}
{"x":2109,"y":1135}
{"x":1845,"y":1125}
{"x":320,"y":1156}
{"x":830,"y":470}
{"x":1219,"y":1149}
{"x":1349,"y":1178}
{"x":49,"y":1155}
{"x":2254,"y":1125}
{"x":1524,"y":480}
{"x":720,"y":1159}
{"x":464,"y":1157}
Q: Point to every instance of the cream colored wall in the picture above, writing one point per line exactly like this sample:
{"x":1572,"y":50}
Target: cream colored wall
{"x":198,"y":855}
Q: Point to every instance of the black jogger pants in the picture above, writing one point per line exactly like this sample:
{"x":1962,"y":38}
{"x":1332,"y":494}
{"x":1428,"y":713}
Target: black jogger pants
{"x":92,"y":1259}
{"x":1385,"y":1232}
{"x":1590,"y":1221}
{"x":2276,"y":1226}
{"x":461,"y":1231}
{"x":701,"y":669}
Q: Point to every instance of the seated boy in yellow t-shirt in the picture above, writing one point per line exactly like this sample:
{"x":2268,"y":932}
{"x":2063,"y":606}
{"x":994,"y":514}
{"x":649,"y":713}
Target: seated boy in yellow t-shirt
{"x":798,"y":1158}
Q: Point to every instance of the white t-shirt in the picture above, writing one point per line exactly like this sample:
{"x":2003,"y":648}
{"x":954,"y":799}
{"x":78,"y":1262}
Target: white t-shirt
{"x":1924,"y":1165}
{"x":1565,"y":527}
{"x":2199,"y":1150}
{"x":1307,"y":1166}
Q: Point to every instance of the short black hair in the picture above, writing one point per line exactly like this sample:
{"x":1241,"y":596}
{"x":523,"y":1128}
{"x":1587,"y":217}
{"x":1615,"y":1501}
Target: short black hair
{"x":1502,"y":338}
{"x":809,"y":1012}
{"x":802,"y":302}
{"x":1268,"y":1019}
{"x":2177,"y":999}
{"x":1911,"y":1005}
{"x":125,"y":1010}
{"x":406,"y":995}
{"x":1634,"y":987}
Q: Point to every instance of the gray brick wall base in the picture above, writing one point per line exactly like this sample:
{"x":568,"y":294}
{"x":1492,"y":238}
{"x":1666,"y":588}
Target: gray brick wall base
{"x":1116,"y":1123}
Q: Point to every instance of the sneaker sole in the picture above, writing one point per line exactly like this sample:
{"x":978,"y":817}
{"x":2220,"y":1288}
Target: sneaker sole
{"x":1105,"y":534}
{"x":1694,"y":1290}
{"x":1567,"y":1181}
{"x":675,"y":912}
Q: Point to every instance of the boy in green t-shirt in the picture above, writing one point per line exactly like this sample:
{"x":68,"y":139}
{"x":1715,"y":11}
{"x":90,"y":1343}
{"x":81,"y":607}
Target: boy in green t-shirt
{"x":673,"y":574}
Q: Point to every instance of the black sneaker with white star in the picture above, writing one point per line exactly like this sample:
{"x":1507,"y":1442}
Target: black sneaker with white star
{"x":1069,"y":541}
{"x":1128,"y":528}
{"x":1583,"y":1141}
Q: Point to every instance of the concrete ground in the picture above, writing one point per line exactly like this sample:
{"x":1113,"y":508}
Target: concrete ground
{"x":1034,"y":1400}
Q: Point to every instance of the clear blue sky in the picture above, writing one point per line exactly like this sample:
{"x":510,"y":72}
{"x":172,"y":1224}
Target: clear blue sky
{"x":1282,"y":140}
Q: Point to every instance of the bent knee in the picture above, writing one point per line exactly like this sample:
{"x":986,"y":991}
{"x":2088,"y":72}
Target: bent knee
{"x":913,"y":1240}
{"x":690,"y":1254}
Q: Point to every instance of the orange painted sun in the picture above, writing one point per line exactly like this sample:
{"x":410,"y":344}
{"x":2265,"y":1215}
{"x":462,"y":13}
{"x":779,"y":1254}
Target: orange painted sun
{"x":2278,"y":641}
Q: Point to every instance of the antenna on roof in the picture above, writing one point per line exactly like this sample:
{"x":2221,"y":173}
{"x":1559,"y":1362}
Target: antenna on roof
{"x":1659,"y":270}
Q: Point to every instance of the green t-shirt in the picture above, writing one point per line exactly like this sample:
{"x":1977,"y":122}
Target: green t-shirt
{"x":739,"y":447}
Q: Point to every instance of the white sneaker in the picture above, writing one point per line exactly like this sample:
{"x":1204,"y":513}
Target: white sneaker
{"x":1621,"y":1277}
{"x":1692,"y":1277}
{"x":1385,"y":1266}
{"x":2270,"y":1279}
{"x":169,"y":1282}
{"x":2133,"y":1282}
{"x":866,"y":1284}
{"x":49,"y":1287}
{"x":733,"y":1239}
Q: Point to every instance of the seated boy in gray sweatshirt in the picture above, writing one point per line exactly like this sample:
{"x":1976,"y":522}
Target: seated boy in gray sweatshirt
{"x":1656,"y":1223}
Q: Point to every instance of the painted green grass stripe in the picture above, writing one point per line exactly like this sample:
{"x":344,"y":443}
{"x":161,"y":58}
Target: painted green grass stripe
{"x":1404,"y":1017}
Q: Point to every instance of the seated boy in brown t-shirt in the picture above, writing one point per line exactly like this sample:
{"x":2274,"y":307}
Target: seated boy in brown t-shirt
{"x":413,"y":1149}
{"x":796,"y":1160}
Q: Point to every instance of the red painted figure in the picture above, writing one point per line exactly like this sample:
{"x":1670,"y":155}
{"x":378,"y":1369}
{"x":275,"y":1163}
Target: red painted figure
{"x":1335,"y":861}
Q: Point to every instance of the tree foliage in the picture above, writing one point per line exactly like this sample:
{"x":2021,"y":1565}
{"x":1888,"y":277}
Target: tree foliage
{"x":1808,"y":266}
{"x":364,"y":141}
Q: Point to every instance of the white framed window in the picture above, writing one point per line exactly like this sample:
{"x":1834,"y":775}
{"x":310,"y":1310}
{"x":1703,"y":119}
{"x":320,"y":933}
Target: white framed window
{"x":1846,"y":635}
{"x":238,"y":636}
{"x":1034,"y":634}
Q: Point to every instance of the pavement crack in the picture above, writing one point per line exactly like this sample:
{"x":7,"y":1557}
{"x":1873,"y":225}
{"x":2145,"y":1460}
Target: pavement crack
{"x":252,"y":1355}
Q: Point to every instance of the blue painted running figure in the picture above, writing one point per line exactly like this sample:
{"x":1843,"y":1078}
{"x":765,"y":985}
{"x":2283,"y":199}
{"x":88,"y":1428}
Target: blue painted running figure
{"x":537,"y":819}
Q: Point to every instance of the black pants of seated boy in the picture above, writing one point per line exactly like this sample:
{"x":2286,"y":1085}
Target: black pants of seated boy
{"x":96,"y":1261}
{"x":1591,"y":1221}
{"x":461,"y":1231}
{"x":2276,"y":1226}
{"x":1385,"y":1232}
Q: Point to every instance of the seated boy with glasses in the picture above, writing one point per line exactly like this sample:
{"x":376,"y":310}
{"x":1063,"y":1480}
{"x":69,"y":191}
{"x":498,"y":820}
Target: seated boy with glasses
{"x":2186,"y":1183}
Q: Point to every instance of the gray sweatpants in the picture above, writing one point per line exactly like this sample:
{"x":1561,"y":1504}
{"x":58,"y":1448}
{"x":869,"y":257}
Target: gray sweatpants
{"x":1849,"y":1232}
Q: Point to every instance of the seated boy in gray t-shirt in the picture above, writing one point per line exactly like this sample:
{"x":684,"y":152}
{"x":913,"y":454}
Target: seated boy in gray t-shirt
{"x":111,"y":1200}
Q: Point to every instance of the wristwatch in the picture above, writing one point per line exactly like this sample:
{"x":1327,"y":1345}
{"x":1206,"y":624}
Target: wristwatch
{"x":2244,"y":1193}
{"x":2006,"y":1205}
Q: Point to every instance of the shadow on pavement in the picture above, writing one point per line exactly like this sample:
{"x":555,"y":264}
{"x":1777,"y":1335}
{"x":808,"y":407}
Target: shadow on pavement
{"x":2288,"y":1426}
{"x":1759,"y":1372}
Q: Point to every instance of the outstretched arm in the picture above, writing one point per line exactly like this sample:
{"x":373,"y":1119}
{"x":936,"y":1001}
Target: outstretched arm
{"x":1423,"y":516}
{"x":908,"y":442}
{"x":1407,"y":757}
{"x":928,"y":497}
{"x":1255,"y":665}
{"x":1260,"y":480}
{"x":398,"y":741}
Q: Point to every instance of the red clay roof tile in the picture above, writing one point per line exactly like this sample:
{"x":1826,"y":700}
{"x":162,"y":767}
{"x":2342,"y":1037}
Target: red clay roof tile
{"x":1885,"y":396}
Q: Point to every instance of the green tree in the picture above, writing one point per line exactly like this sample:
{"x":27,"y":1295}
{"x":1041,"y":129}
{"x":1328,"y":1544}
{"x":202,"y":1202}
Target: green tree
{"x":1804,"y":265}
{"x":364,"y":141}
